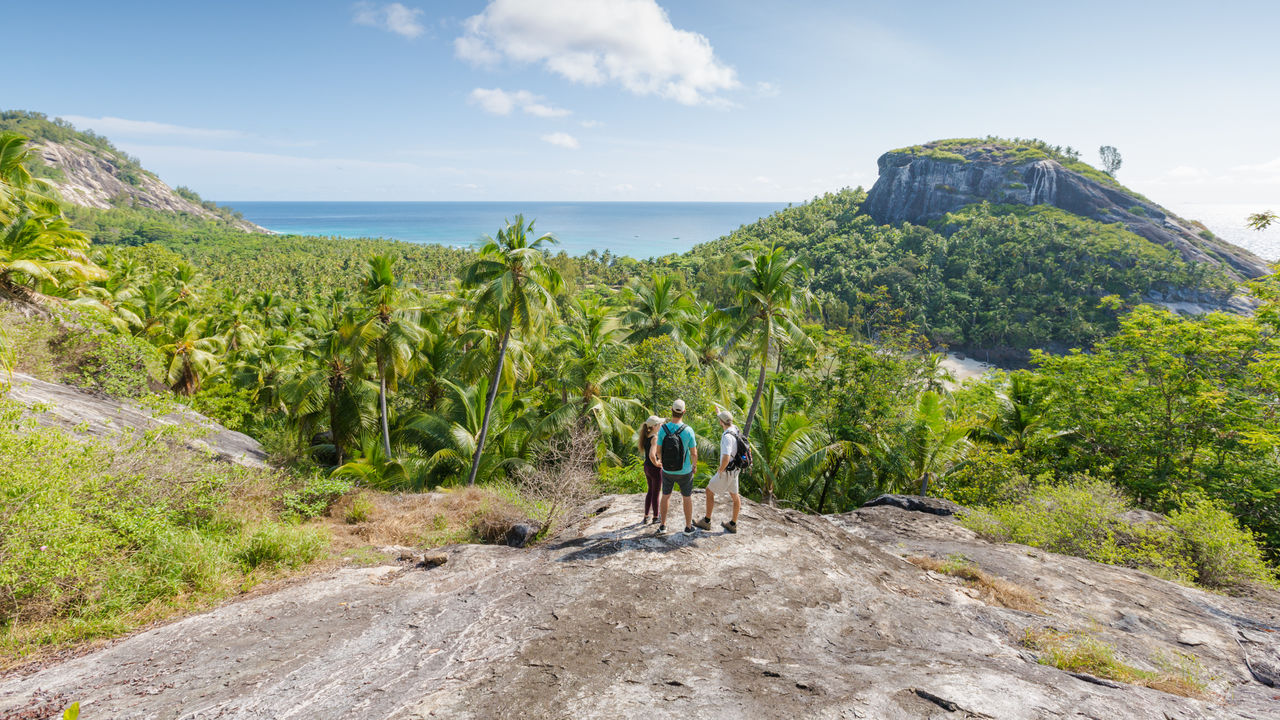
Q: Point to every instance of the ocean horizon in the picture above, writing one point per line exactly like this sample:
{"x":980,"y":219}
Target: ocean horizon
{"x":635,"y":229}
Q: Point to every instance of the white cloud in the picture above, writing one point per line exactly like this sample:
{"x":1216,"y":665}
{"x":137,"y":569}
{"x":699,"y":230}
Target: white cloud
{"x":591,"y":124}
{"x":114,"y":126}
{"x":501,"y":102}
{"x":628,"y":42}
{"x":624,"y":187}
{"x":392,"y":17}
{"x":564,"y":140}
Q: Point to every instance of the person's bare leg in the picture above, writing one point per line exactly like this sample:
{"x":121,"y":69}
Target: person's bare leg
{"x":737,"y":505}
{"x":711,"y":501}
{"x":688,"y":510}
{"x":662,"y":506}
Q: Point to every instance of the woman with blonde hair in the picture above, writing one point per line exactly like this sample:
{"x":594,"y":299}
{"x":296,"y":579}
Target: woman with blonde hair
{"x":652,"y":473}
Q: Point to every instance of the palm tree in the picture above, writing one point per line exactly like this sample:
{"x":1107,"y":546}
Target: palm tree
{"x":396,"y":332}
{"x":770,"y":294}
{"x":709,"y":339}
{"x":329,"y":380}
{"x":515,"y":290}
{"x":192,"y":353}
{"x":452,"y":436}
{"x":591,"y":393}
{"x":932,"y":443}
{"x":789,"y":449}
{"x":657,"y":307}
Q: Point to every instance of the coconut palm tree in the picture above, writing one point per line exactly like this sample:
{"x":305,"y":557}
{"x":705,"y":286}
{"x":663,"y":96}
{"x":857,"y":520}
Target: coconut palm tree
{"x":452,"y":437}
{"x":788,"y":449}
{"x":771,"y":294}
{"x":329,"y":380}
{"x":931,"y":444}
{"x":515,"y":286}
{"x":396,"y":332}
{"x":192,"y":353}
{"x":657,"y":307}
{"x":591,"y":393}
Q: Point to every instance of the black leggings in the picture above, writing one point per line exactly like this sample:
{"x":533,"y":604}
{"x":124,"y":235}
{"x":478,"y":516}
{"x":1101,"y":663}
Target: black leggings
{"x":653,"y":474}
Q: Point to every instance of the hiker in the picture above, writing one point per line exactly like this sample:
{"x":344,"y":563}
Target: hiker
{"x":726,"y":478}
{"x":652,"y":471}
{"x":676,"y":452}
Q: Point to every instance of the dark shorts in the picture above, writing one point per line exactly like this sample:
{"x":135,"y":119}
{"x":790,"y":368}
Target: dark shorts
{"x":685,"y":482}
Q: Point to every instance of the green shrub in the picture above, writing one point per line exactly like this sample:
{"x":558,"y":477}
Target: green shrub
{"x":1083,"y":519}
{"x":1138,"y":210}
{"x":1200,"y":543}
{"x":1224,"y":554}
{"x":989,"y":476}
{"x":316,"y":495}
{"x":624,"y":479}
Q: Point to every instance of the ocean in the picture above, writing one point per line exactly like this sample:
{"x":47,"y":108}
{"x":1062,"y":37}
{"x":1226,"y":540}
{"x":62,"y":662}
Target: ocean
{"x":636,"y":229}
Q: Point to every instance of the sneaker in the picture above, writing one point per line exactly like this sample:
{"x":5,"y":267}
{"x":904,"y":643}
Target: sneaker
{"x":703,"y":524}
{"x":689,"y":530}
{"x":731,"y":526}
{"x":662,"y":529}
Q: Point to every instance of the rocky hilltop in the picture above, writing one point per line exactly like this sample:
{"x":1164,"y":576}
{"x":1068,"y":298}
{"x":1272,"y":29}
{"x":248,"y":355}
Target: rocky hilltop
{"x":89,"y":171}
{"x":923,"y":183}
{"x":795,"y":617}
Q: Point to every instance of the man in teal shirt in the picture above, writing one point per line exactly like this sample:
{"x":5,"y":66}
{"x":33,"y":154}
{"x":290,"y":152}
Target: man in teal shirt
{"x":676,"y":469}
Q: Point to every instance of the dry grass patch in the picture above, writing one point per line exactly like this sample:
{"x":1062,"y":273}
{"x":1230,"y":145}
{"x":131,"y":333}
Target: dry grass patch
{"x":993,"y":589}
{"x":446,"y":517}
{"x":1083,"y":653}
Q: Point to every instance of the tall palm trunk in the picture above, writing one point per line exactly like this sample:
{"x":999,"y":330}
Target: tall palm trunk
{"x":755,"y":401}
{"x":382,"y":406}
{"x":767,"y":494}
{"x":488,"y":403}
{"x":333,"y":429}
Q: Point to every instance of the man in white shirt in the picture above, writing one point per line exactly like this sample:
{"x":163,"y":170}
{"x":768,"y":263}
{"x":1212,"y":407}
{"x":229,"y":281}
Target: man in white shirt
{"x":724,"y":480}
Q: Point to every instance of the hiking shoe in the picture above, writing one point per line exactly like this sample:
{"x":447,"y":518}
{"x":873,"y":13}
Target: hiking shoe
{"x":689,"y":530}
{"x":703,"y":524}
{"x":662,"y":529}
{"x":731,"y":526}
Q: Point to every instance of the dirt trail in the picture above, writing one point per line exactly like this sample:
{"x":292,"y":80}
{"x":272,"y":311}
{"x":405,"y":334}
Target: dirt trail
{"x":794,"y":617}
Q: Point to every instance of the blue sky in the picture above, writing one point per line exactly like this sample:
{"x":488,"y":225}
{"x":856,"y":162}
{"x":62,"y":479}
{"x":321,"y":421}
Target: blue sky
{"x":645,"y":100}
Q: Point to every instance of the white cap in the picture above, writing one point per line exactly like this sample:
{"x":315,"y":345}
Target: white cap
{"x":677,"y":406}
{"x":653,"y":421}
{"x":725,"y":416}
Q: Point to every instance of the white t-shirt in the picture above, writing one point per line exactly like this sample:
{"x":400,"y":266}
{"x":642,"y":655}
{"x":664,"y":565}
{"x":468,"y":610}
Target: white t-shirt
{"x":728,"y":445}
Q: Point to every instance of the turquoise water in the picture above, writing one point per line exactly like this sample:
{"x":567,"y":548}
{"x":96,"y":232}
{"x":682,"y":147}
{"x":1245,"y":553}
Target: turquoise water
{"x":635,"y":229}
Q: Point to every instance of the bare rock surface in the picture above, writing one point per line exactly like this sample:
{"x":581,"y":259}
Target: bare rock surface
{"x":93,"y":178}
{"x":793,"y":617}
{"x":106,"y":417}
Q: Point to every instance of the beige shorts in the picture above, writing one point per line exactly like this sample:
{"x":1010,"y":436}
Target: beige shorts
{"x":725,"y":482}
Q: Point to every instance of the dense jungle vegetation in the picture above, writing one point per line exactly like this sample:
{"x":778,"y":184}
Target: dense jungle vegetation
{"x":395,"y":366}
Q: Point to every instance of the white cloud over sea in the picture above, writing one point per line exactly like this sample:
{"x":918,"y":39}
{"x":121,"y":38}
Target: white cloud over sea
{"x":631,"y":43}
{"x":392,"y":17}
{"x":501,"y":102}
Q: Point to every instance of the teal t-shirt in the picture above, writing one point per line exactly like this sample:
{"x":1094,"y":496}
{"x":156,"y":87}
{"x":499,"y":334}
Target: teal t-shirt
{"x":686,"y":434}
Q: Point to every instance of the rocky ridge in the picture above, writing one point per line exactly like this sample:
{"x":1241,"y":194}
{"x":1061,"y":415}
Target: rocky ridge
{"x":923,"y":183}
{"x":795,"y":616}
{"x":96,"y":178}
{"x":84,"y":413}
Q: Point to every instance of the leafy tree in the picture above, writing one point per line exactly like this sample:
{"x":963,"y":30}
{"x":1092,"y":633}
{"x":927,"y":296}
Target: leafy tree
{"x":789,"y":449}
{"x":515,"y":288}
{"x":1262,"y":220}
{"x":1110,"y":159}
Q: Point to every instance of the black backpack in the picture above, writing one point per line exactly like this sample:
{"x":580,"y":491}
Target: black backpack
{"x":741,"y":459}
{"x":673,"y":449}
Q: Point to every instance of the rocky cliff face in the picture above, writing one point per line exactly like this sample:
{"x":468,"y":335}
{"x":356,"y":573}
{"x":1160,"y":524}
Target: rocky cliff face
{"x":923,"y":183}
{"x":99,"y":179}
{"x":794,"y":617}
